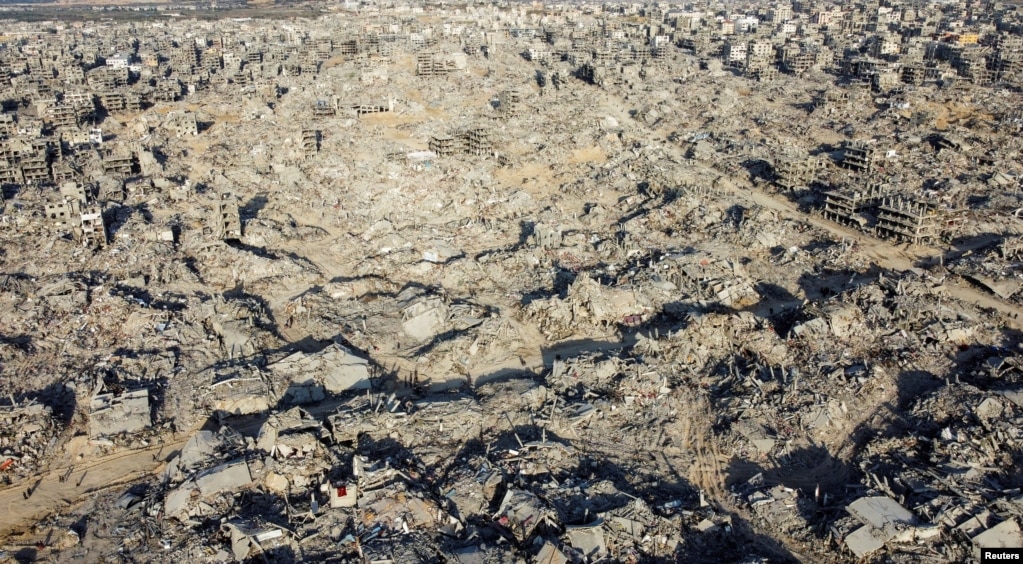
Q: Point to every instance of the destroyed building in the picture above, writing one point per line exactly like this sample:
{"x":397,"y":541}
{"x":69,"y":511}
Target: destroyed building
{"x":407,"y":282}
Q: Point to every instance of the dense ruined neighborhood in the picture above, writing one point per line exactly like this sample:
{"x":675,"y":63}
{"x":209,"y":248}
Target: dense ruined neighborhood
{"x":511,"y":282}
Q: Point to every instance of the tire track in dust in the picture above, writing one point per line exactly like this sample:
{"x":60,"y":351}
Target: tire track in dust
{"x":49,"y":494}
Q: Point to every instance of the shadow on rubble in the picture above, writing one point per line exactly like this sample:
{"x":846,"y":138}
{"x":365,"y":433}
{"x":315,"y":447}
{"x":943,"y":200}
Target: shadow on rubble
{"x":451,"y":334}
{"x":252,"y":208}
{"x":569,"y":349}
{"x":981,"y":366}
{"x":470,"y":449}
{"x":778,"y":306}
{"x":523,"y":372}
{"x":279,"y":554}
{"x":641,"y":209}
{"x":585,"y":498}
{"x":809,"y":471}
{"x":23,"y":343}
{"x":124,"y":214}
{"x":161,"y":159}
{"x":26,"y":554}
{"x":674,"y":319}
{"x":239,"y":293}
{"x":804,"y":469}
{"x":540,"y":294}
{"x":396,"y":454}
{"x":123,"y":353}
{"x":370,"y":296}
{"x":736,"y":215}
{"x":307,"y":345}
{"x":526,"y":230}
{"x":260,"y":252}
{"x":189,"y":263}
{"x":168,"y":301}
{"x":913,"y":384}
{"x":311,"y":345}
{"x":826,"y":283}
{"x":1011,"y":339}
{"x":630,"y":483}
{"x":758,"y":168}
{"x":990,"y":367}
{"x":668,"y":495}
{"x":9,"y":191}
{"x":59,"y":398}
{"x":142,"y":209}
{"x":743,"y":544}
{"x":962,"y":247}
{"x":439,"y":339}
{"x":818,"y":245}
{"x":100,"y":114}
{"x":890,"y":419}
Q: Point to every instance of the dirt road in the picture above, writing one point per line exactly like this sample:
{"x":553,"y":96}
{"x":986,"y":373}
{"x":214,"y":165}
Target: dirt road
{"x":50,"y":493}
{"x":887,"y":255}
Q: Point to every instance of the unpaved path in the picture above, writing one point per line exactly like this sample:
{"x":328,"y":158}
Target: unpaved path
{"x":50,"y":494}
{"x":887,"y":255}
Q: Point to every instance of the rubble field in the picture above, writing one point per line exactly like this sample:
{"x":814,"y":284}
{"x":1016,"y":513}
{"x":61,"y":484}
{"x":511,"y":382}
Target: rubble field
{"x":493,"y":283}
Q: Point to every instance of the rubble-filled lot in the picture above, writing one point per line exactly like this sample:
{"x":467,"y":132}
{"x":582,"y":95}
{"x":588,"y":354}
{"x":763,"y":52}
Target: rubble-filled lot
{"x":507,"y":285}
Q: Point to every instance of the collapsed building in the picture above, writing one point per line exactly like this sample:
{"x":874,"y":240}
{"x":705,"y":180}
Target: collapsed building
{"x":501,"y":283}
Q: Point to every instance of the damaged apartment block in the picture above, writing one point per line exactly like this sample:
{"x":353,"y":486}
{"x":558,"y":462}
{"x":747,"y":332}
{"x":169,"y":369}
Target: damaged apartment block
{"x":446,"y":145}
{"x":181,"y":123}
{"x":227,"y":223}
{"x":78,"y":214}
{"x":93,"y":227}
{"x":510,"y":102}
{"x":792,"y":173}
{"x":859,"y":156}
{"x":119,"y":161}
{"x":439,"y":64}
{"x":907,"y":220}
{"x":473,"y":140}
{"x":310,"y":141}
{"x":851,"y":206}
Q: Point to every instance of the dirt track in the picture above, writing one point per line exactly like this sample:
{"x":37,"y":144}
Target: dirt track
{"x":49,"y":493}
{"x":883,"y":253}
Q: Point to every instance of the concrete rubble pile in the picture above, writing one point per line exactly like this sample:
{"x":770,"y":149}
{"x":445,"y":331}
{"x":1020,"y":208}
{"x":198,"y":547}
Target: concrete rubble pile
{"x":381,"y":484}
{"x":967,"y":432}
{"x":383,"y":462}
{"x":29,"y":431}
{"x":497,"y":283}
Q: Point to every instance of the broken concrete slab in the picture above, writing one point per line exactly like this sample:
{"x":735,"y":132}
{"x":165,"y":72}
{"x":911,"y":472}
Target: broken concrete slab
{"x":334,"y":369}
{"x":226,"y":477}
{"x":588,"y":539}
{"x":549,"y":554}
{"x":1006,"y":534}
{"x":884,"y":521}
{"x":119,"y":414}
{"x":520,"y":513}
